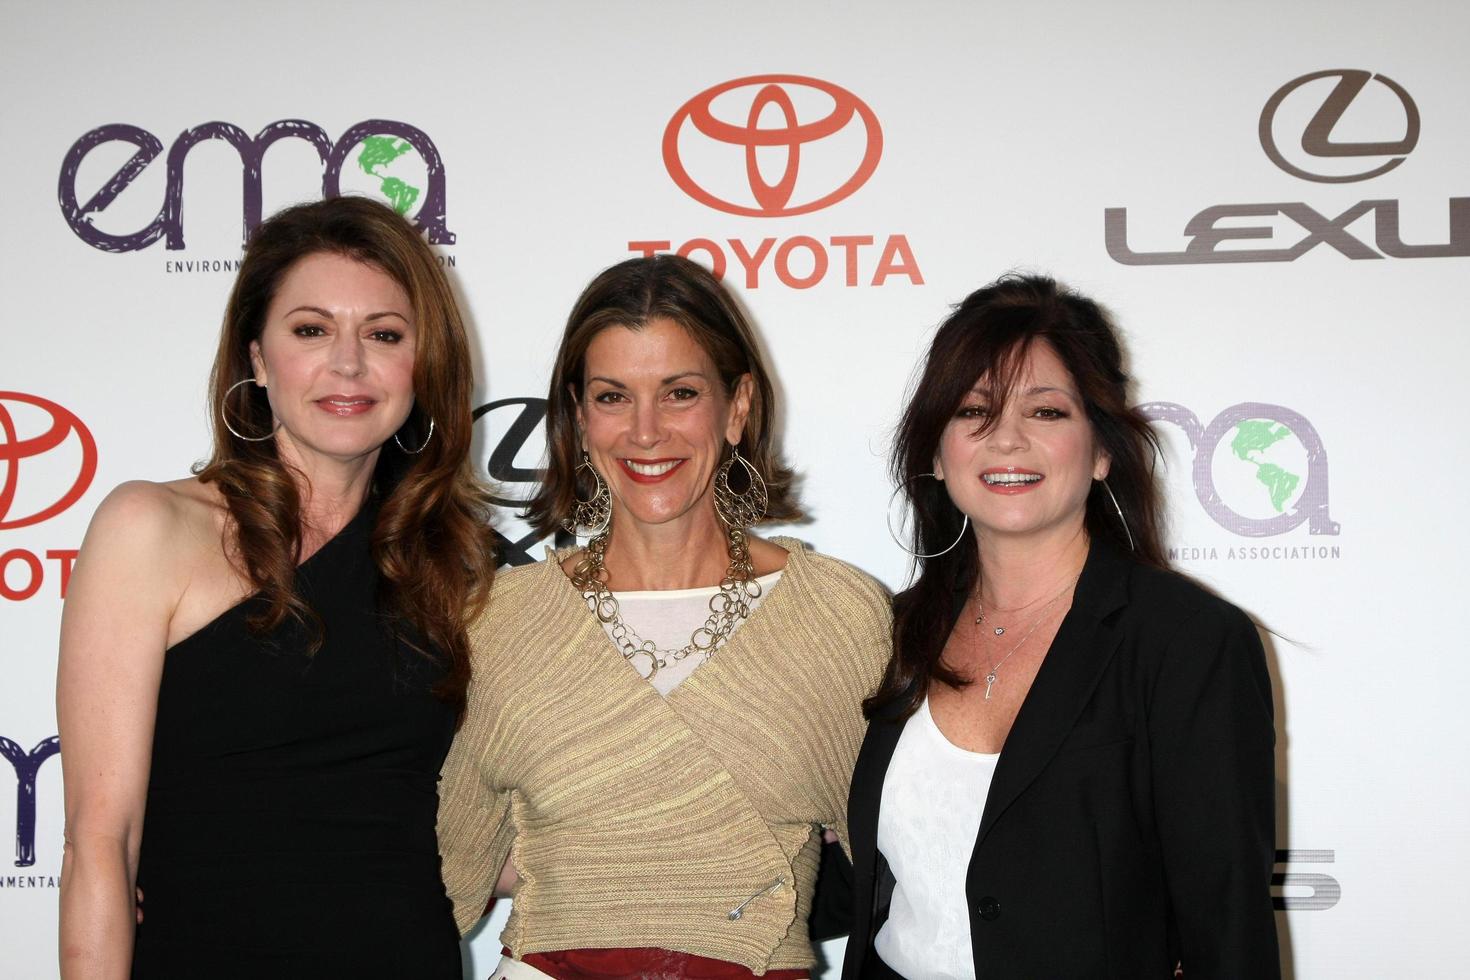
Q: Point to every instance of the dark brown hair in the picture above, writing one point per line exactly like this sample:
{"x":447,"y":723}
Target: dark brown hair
{"x":988,"y":336}
{"x":633,"y":294}
{"x":432,"y":539}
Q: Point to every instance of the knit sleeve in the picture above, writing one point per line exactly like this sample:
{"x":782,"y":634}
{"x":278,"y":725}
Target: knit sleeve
{"x":475,"y":829}
{"x":857,"y":623}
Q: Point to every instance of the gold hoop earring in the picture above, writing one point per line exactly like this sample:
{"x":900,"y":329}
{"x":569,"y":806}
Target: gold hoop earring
{"x":224,"y":415}
{"x":592,"y":516}
{"x":740,"y":509}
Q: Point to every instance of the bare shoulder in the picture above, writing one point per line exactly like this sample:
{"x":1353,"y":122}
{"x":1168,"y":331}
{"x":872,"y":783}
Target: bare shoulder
{"x":140,"y":513}
{"x":163,"y":527}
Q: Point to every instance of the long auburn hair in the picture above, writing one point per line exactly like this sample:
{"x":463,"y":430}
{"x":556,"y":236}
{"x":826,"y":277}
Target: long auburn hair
{"x":633,"y":294}
{"x":432,"y":541}
{"x":988,"y":336}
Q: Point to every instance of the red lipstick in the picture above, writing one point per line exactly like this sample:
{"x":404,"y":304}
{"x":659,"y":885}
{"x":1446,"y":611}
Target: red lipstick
{"x":650,"y":470}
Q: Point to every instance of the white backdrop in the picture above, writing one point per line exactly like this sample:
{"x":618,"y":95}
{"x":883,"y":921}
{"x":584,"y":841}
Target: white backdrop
{"x":1135,"y":150}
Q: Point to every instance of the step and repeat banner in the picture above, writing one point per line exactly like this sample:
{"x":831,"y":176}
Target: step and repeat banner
{"x":1273,"y":200}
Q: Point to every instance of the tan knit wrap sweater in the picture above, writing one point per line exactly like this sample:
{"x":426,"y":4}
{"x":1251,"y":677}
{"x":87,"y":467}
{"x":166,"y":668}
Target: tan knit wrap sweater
{"x":640,"y":821}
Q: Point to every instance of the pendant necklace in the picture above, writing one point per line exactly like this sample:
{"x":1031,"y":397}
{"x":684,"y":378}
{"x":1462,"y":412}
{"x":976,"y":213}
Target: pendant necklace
{"x":1001,"y":630}
{"x":990,"y":677}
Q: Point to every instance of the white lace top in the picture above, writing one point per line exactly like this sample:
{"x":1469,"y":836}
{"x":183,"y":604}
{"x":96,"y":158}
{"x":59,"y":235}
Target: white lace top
{"x":933,"y":796}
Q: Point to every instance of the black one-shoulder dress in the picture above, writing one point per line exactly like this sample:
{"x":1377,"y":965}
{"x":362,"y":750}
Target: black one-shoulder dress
{"x":289,"y":829}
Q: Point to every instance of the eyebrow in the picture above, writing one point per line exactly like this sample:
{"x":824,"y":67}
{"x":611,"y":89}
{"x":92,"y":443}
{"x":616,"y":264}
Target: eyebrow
{"x":328,"y":315}
{"x":666,"y":381}
{"x":984,"y":392}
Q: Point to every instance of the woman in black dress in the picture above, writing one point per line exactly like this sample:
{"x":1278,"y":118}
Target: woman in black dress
{"x":262,"y":665}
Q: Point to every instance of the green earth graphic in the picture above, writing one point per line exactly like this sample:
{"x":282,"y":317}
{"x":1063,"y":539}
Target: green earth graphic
{"x":377,"y":153}
{"x":1252,"y":443}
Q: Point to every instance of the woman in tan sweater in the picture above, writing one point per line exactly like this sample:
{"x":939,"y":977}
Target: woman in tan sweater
{"x":662,"y":723}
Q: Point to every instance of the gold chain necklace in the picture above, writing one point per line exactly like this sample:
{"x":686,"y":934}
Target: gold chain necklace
{"x":727,"y":607}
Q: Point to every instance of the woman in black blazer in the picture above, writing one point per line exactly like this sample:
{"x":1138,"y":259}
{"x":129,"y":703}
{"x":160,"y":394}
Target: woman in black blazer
{"x":1069,"y":766}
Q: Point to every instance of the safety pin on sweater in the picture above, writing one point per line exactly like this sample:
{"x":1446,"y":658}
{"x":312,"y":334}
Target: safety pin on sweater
{"x":772,"y":888}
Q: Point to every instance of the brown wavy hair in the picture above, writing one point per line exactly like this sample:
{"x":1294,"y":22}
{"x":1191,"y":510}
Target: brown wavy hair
{"x":432,"y":541}
{"x":988,"y":335}
{"x":633,"y":294}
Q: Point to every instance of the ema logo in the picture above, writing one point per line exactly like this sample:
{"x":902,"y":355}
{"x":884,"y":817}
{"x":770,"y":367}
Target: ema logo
{"x":1217,"y":225}
{"x":26,"y":766}
{"x":59,"y":456}
{"x":780,"y":146}
{"x":1316,"y":137}
{"x":773,"y":200}
{"x":1259,"y":470}
{"x":382,"y":147}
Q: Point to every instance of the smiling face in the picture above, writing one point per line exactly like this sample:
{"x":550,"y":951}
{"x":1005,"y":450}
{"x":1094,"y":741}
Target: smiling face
{"x":655,"y":419}
{"x":336,"y":355}
{"x":1031,"y":471}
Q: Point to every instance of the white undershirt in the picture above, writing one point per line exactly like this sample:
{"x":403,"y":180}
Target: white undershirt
{"x":668,"y":617}
{"x":933,"y":796}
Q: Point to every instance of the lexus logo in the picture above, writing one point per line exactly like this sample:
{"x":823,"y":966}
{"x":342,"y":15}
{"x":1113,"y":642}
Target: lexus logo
{"x":15,"y":447}
{"x":1316,"y":137}
{"x":514,"y":485}
{"x":712,"y":132}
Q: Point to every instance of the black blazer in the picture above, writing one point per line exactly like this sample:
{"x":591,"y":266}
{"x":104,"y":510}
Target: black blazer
{"x":1130,"y":822}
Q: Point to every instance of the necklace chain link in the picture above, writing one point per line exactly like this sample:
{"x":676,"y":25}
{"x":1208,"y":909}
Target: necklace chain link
{"x":727,"y":607}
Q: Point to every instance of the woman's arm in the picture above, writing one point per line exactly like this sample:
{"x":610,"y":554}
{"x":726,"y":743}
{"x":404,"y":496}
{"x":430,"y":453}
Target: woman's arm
{"x":122,"y":593}
{"x":1212,"y":741}
{"x":475,"y":828}
{"x":505,"y":884}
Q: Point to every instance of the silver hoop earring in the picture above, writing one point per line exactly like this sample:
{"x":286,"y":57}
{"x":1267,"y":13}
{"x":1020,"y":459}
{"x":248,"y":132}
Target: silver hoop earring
{"x":590,"y":517}
{"x":740,"y":510}
{"x":964,"y":526}
{"x":224,"y":415}
{"x":1121,"y":518}
{"x":415,"y":452}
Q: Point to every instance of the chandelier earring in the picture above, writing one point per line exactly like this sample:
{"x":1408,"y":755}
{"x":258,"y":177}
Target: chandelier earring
{"x":740,"y":509}
{"x":590,"y":517}
{"x":964,"y":526}
{"x":1121,"y":518}
{"x":224,"y":414}
{"x":422,"y":446}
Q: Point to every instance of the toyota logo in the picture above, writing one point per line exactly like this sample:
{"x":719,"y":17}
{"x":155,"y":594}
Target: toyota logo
{"x":13,"y":449}
{"x":1317,"y":139}
{"x":833,"y":135}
